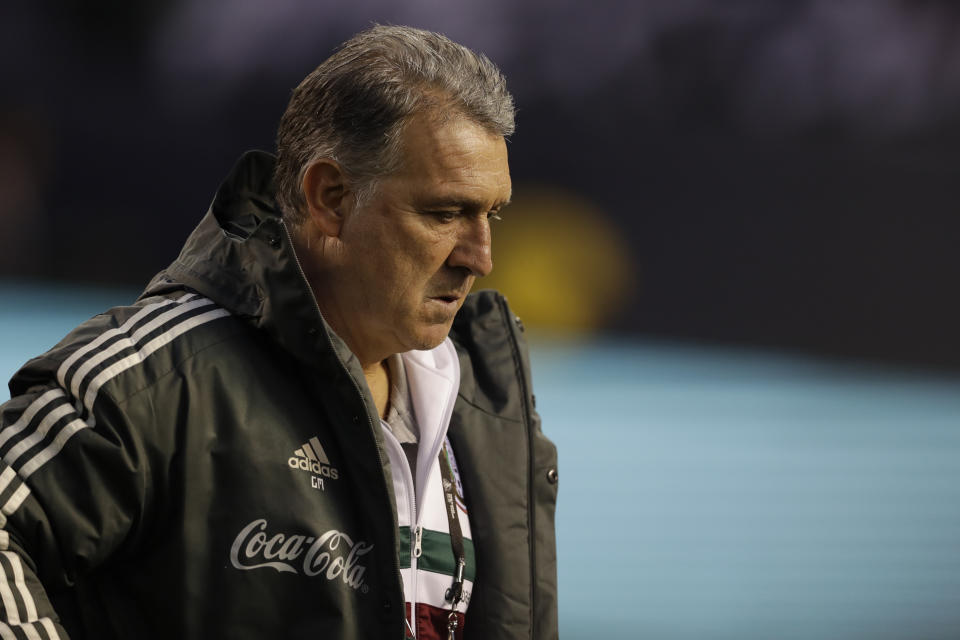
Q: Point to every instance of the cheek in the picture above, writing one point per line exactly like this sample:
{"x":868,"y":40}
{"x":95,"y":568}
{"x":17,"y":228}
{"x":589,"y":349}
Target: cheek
{"x":419,"y":261}
{"x":398,"y":278}
{"x":399,"y":262}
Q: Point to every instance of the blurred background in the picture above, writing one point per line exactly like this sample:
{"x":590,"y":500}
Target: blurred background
{"x":732,"y":242}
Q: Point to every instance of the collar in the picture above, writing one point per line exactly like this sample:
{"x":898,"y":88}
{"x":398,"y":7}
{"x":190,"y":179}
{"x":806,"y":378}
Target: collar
{"x":400,"y":418}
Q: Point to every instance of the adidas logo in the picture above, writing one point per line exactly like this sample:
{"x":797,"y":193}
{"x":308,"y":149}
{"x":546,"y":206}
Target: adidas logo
{"x":312,"y":458}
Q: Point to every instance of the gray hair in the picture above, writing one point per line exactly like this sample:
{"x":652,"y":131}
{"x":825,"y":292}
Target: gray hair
{"x":352,"y":108}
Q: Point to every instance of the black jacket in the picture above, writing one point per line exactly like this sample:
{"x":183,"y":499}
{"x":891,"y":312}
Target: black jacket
{"x":146,"y":455}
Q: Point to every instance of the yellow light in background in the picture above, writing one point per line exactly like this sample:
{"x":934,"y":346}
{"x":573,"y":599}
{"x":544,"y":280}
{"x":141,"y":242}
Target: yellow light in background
{"x":559,"y":261}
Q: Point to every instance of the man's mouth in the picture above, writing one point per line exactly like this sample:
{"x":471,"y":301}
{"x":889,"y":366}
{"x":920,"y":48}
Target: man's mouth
{"x":453,"y":295}
{"x":449,"y":297}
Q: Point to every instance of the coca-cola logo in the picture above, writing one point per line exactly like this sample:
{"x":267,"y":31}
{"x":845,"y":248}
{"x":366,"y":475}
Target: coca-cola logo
{"x":333,"y":555}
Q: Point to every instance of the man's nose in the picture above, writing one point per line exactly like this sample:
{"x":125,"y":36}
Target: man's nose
{"x":472,"y":250}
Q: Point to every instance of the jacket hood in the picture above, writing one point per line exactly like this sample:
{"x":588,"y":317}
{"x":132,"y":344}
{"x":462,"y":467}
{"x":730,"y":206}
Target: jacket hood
{"x":241,"y":256}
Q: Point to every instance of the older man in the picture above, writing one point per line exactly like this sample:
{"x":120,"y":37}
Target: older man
{"x":280,"y":439}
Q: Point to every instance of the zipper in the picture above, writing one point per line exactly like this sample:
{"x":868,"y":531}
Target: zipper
{"x":531,"y":519}
{"x":416,"y":530}
{"x":417,"y":539}
{"x":418,"y":542}
{"x":356,"y":386}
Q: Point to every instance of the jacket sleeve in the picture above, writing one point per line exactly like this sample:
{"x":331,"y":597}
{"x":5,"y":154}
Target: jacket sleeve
{"x":73,"y":491}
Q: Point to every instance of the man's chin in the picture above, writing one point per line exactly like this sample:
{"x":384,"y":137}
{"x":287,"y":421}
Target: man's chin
{"x":432,"y":336}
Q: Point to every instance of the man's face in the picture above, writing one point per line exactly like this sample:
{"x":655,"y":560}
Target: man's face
{"x":411,"y":252}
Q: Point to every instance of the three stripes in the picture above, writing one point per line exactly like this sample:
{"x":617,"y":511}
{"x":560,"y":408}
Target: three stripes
{"x":26,"y":445}
{"x":312,"y":450}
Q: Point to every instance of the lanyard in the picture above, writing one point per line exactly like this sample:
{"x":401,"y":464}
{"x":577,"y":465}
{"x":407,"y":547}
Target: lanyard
{"x":455,"y":593}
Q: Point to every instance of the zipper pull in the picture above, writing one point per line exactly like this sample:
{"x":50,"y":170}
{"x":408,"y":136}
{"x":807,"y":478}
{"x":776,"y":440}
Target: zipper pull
{"x":418,"y":541}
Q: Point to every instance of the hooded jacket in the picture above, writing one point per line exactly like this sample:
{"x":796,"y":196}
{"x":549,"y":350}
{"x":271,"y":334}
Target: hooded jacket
{"x":150,"y":483}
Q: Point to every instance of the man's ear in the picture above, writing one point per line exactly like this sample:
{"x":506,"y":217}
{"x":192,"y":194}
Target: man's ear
{"x":325,"y":190}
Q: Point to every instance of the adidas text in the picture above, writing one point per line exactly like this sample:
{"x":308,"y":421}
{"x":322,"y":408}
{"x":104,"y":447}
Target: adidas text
{"x":314,"y":467}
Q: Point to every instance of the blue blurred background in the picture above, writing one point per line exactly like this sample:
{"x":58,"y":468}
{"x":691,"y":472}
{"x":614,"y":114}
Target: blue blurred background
{"x":733,"y":240}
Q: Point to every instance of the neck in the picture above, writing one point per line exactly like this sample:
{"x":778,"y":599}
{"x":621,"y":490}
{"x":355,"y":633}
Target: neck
{"x":371,"y":361}
{"x":322,"y":280}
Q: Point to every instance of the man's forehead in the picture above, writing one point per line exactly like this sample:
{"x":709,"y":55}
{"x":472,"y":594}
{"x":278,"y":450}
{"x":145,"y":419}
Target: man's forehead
{"x":447,"y":137}
{"x":463,"y":163}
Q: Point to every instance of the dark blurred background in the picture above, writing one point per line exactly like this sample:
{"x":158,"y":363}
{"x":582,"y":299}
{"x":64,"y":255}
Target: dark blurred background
{"x":762,"y":173}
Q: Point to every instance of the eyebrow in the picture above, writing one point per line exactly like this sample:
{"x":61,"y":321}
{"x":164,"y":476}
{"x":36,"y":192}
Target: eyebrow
{"x":467,"y":204}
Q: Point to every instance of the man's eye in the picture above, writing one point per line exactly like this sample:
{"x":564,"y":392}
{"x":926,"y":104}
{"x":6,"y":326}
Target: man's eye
{"x":494,"y":215}
{"x":444,"y":216}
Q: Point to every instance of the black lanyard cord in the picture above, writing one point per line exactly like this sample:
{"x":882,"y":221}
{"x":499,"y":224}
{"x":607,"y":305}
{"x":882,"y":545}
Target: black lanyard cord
{"x":455,"y":593}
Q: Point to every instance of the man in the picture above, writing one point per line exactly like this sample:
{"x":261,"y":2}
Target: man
{"x":279,"y":439}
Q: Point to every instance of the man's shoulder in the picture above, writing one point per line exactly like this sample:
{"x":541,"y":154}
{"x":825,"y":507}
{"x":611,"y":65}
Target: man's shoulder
{"x":129,"y":343}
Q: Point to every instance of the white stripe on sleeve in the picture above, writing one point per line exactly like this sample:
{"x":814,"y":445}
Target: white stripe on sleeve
{"x":129,"y":342}
{"x":106,"y":335}
{"x":6,"y":477}
{"x":51,"y":630}
{"x":51,"y":449}
{"x":20,"y":584}
{"x":13,"y":503}
{"x":29,"y":413}
{"x":48,"y":421}
{"x":30,"y":632}
{"x":134,"y":359}
{"x":6,"y":597}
